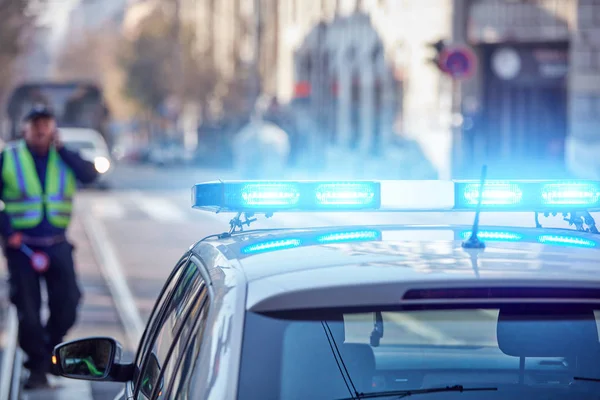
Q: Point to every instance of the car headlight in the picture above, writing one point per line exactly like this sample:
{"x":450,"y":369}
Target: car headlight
{"x":102,"y":164}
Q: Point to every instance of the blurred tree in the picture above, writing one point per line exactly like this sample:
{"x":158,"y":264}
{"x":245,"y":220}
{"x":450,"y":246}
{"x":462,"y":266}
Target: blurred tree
{"x":152,"y":74}
{"x":18,"y":18}
{"x":93,"y":56}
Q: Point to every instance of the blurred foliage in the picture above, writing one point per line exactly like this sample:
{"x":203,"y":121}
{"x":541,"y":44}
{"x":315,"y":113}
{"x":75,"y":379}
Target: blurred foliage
{"x":156,"y":68}
{"x":145,"y":61}
{"x":99,"y":65}
{"x":18,"y":18}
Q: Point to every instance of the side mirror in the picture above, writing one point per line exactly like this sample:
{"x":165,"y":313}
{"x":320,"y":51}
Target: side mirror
{"x":94,"y":359}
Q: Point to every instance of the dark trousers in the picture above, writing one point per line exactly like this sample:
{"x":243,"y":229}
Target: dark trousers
{"x":36,"y":339}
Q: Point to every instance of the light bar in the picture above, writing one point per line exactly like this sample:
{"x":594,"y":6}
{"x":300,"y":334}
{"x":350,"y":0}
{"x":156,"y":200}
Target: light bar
{"x":494,"y":193}
{"x":558,"y":194}
{"x":268,"y":196}
{"x":563,"y":196}
{"x":271,"y":196}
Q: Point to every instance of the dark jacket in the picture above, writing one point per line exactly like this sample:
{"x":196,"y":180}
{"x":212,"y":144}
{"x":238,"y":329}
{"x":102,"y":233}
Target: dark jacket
{"x":84,"y":171}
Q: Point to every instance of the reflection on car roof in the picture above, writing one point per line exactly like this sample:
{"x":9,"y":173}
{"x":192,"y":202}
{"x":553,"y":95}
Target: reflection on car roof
{"x":423,"y":252}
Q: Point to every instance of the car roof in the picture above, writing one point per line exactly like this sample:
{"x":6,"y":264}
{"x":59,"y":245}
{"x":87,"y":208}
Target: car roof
{"x":288,"y":261}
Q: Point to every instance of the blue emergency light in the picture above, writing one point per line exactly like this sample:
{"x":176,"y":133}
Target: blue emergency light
{"x":267,"y":196}
{"x":271,"y":196}
{"x":530,"y":195}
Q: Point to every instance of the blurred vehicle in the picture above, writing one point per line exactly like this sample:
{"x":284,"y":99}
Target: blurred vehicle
{"x":166,"y":153}
{"x":131,"y":154}
{"x":371,"y":311}
{"x":76,"y":104}
{"x":92,"y":147}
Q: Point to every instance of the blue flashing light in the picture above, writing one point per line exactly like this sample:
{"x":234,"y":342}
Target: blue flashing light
{"x":503,"y":236}
{"x":269,"y":196}
{"x":350,"y":236}
{"x":336,"y":194}
{"x":409,"y":196}
{"x":494,"y":194}
{"x":271,"y":246}
{"x":571,"y":193}
{"x":566,"y":240}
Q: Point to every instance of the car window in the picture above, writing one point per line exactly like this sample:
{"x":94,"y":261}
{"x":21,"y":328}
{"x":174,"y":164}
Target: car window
{"x":294,"y":354}
{"x":187,"y":349}
{"x":187,"y":290}
{"x":164,"y":296}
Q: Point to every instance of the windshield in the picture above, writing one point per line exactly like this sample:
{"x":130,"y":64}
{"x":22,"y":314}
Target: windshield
{"x":291,"y":355}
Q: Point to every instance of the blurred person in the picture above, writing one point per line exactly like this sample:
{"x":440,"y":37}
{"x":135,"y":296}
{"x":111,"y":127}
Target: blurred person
{"x":261,"y":149}
{"x":38,"y":181}
{"x":283,"y":116}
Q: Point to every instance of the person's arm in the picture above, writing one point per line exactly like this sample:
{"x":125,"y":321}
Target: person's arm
{"x":84,"y":170}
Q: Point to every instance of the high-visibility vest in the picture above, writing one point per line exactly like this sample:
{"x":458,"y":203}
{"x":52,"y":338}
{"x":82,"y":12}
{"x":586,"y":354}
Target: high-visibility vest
{"x":24,"y":198}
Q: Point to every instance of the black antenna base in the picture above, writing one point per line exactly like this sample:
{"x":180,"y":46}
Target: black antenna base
{"x":473,"y":243}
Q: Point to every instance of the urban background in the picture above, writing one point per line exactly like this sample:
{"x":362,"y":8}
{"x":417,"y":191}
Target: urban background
{"x":391,"y":88}
{"x":188,"y":91}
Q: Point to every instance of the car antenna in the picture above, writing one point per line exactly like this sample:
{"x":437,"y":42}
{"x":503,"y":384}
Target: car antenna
{"x":473,"y":242}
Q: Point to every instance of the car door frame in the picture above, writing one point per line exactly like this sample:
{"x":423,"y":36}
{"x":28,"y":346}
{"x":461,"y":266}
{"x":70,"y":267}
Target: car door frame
{"x":201,"y":266}
{"x":197,"y":329}
{"x":150,"y":330}
{"x":208,"y":299}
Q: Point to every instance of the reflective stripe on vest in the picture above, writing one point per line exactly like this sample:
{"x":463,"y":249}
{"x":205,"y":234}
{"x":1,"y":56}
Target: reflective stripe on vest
{"x":23,"y":196}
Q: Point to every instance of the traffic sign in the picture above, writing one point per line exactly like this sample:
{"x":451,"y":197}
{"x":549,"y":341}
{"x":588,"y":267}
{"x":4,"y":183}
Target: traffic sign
{"x":458,"y":62}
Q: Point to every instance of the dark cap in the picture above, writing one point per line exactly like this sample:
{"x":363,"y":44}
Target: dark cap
{"x":39,"y":111}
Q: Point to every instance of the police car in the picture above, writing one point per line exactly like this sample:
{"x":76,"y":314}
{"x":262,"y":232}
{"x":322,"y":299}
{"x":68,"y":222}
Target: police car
{"x":357,"y":312}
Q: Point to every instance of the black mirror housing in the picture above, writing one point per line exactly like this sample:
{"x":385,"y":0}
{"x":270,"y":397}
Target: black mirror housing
{"x":93,"y":359}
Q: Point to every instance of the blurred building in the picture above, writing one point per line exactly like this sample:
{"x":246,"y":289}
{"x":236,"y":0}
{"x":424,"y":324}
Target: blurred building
{"x":517,"y":104}
{"x":89,"y":15}
{"x":533,"y":97}
{"x":364,"y":70}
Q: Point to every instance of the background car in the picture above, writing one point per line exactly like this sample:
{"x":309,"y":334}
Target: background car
{"x":168,"y":153}
{"x":93,"y":147}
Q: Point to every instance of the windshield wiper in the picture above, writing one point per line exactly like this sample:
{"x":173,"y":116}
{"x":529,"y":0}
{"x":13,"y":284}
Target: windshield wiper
{"x":580,"y":378}
{"x":399,"y":394}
